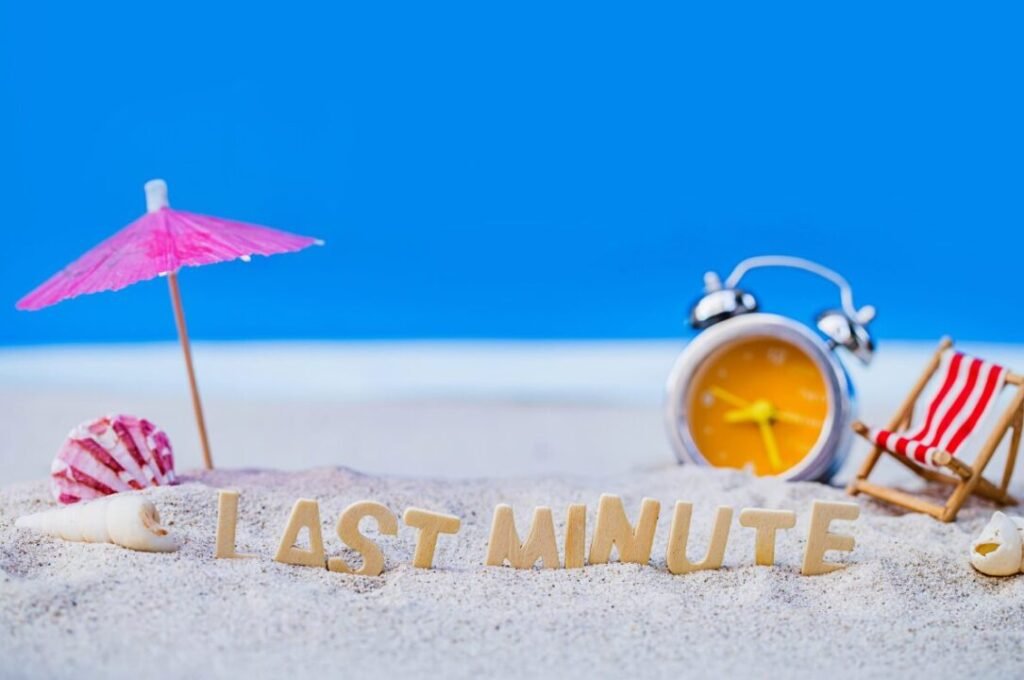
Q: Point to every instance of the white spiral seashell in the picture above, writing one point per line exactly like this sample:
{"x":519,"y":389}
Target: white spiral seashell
{"x":127,"y":520}
{"x":999,"y":549}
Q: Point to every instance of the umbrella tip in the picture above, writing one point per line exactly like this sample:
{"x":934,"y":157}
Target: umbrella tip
{"x":156,"y":195}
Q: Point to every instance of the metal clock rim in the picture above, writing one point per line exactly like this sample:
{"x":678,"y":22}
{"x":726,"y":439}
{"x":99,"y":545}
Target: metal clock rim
{"x":840,"y":411}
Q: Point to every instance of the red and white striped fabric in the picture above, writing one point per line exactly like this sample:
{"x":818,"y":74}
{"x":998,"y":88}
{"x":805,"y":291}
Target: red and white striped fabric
{"x":968,"y":389}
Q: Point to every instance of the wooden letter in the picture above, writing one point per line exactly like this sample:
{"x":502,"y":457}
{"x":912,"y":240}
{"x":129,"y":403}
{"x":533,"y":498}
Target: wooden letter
{"x":305,"y":514}
{"x":540,"y":543}
{"x":820,"y":539}
{"x":348,"y":532}
{"x":767,"y":522}
{"x":227,"y":518}
{"x":613,"y":529}
{"x":679,"y":536}
{"x":430,"y":525}
{"x":575,"y":535}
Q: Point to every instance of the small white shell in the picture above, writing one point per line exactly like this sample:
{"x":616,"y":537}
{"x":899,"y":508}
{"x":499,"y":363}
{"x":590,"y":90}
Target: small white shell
{"x":999,"y":549}
{"x":127,"y":520}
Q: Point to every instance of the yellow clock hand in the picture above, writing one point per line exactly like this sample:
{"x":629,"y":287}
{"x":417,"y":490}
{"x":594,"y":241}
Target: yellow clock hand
{"x":759,"y":411}
{"x":728,"y":397}
{"x":740,"y":415}
{"x":771,"y":447}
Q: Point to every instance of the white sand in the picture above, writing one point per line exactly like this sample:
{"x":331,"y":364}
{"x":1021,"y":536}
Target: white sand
{"x":549,"y":426}
{"x":908,"y":605}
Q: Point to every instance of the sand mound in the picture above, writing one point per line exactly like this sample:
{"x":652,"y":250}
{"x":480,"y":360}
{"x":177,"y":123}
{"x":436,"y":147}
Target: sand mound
{"x":909,"y":604}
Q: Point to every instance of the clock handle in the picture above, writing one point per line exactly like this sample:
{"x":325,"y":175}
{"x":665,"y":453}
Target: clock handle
{"x":863,"y":316}
{"x":843,"y":328}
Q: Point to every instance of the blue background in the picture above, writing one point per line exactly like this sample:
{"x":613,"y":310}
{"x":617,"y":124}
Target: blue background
{"x":518,"y":171}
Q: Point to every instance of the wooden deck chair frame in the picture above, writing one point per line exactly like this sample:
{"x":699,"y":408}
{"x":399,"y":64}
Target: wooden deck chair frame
{"x":965,"y":479}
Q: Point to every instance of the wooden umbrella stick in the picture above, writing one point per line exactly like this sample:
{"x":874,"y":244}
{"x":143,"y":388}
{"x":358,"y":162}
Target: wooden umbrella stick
{"x":186,"y":348}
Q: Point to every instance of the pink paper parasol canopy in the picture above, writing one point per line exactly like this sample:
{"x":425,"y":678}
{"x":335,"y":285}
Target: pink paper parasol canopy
{"x":159,"y":244}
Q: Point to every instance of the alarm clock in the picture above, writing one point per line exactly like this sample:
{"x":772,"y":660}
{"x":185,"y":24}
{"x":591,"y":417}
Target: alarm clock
{"x":764,"y":392}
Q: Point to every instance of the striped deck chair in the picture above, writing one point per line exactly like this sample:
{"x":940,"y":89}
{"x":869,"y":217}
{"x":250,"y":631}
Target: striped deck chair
{"x":967,"y":390}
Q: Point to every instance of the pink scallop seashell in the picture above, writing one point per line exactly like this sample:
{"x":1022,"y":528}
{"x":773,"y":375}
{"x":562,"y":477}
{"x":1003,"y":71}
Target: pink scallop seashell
{"x":109,"y":455}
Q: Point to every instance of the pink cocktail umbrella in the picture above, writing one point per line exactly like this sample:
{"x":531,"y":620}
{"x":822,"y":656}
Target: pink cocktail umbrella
{"x":159,"y":244}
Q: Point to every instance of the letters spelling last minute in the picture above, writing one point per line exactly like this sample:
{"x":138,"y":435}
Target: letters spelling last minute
{"x":613,"y":530}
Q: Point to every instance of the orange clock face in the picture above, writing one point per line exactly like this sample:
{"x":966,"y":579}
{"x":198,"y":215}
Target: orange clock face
{"x":757,"y":403}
